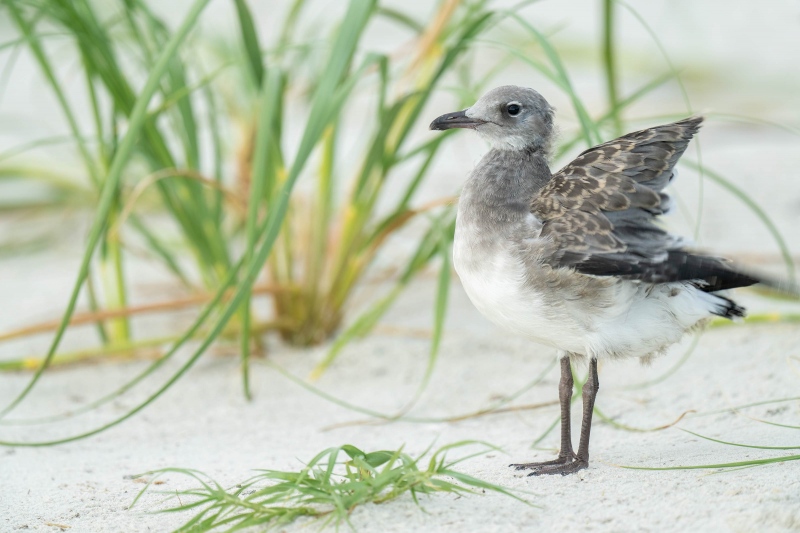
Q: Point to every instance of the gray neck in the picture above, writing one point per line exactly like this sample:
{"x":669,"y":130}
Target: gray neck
{"x":501,"y":187}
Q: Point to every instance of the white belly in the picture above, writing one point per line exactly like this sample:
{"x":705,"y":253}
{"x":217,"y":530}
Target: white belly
{"x":496,"y":286}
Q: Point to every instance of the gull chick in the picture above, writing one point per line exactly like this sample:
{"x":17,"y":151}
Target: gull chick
{"x":574,"y":259}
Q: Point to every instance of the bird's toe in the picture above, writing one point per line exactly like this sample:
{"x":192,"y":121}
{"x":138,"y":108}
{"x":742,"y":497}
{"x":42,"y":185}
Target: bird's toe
{"x":560,"y":460}
{"x":564,"y":469}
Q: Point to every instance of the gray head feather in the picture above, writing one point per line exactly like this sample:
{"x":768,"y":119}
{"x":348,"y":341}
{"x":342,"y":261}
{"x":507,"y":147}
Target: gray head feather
{"x":514,"y":118}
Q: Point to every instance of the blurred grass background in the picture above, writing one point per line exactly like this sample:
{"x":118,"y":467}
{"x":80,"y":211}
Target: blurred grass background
{"x":264,"y":168}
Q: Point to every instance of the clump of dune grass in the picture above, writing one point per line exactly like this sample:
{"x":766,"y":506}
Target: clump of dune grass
{"x":157,"y":105}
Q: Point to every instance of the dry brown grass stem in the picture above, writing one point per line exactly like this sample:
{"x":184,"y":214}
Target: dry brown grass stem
{"x":80,"y":319}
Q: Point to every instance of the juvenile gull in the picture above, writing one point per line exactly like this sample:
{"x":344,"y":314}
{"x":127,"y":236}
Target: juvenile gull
{"x":573,"y":259}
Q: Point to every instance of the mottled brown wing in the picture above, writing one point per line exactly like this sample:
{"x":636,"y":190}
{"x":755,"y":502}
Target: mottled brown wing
{"x":599,"y":209}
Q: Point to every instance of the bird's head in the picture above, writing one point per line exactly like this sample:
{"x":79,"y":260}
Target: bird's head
{"x":509,"y":117}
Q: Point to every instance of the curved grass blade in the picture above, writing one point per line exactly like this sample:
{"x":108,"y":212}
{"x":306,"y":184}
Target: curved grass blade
{"x":756,"y":209}
{"x":610,"y":421}
{"x":739,"y":444}
{"x":190,"y":333}
{"x":590,"y":133}
{"x":45,"y":64}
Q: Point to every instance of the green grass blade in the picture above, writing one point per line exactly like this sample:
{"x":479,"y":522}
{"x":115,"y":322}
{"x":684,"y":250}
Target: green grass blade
{"x":403,"y":19}
{"x":250,"y":38}
{"x":34,"y":43}
{"x":590,"y":133}
{"x":440,"y":312}
{"x":111,"y":184}
{"x":739,"y":444}
{"x":261,"y":176}
{"x":756,"y":209}
{"x":610,"y":65}
{"x":209,"y":338}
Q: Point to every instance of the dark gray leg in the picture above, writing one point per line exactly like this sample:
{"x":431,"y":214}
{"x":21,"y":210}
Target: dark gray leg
{"x":581,"y":460}
{"x":565,"y":454}
{"x":589,"y":394}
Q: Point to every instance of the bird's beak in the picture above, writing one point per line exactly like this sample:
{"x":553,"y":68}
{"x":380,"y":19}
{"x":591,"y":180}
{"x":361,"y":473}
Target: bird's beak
{"x":459,"y":119}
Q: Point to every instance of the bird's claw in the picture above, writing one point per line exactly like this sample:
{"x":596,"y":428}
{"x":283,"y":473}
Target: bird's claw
{"x":560,"y":460}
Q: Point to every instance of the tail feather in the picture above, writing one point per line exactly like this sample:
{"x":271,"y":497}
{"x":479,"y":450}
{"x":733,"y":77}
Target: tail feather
{"x":727,"y":308}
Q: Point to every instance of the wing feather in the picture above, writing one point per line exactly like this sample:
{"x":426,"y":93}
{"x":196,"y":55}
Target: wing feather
{"x":599,"y":211}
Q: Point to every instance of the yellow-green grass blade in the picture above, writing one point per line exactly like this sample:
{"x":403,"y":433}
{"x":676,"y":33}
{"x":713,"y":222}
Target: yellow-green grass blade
{"x":262,"y":174}
{"x":403,"y":19}
{"x":610,"y":64}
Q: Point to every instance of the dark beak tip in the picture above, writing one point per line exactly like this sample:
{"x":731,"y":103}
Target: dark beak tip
{"x":448,"y":121}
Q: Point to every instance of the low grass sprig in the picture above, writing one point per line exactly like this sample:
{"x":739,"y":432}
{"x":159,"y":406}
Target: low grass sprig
{"x":326,"y":489}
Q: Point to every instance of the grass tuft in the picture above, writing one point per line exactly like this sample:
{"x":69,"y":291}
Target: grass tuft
{"x":327,"y":489}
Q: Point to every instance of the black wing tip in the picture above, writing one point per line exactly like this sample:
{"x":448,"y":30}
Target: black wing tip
{"x":709,"y":274}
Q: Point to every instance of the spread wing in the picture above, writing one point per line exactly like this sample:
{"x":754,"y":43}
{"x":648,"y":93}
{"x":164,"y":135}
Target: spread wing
{"x":599,"y":212}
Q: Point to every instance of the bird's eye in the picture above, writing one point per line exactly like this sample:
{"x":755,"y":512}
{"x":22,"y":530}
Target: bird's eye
{"x":513,"y":109}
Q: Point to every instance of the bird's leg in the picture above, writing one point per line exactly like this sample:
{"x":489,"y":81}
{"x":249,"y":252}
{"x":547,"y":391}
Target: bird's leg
{"x":565,"y":454}
{"x":581,"y":460}
{"x":589,"y":394}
